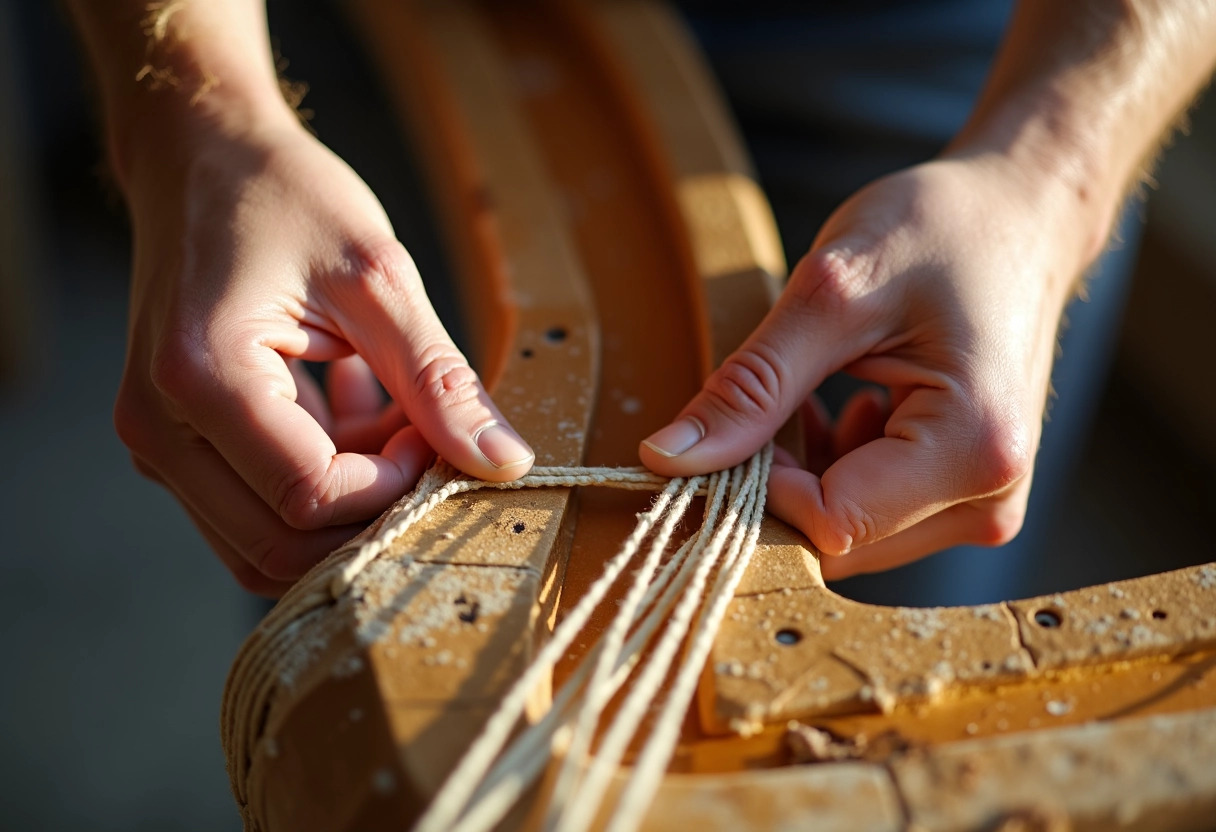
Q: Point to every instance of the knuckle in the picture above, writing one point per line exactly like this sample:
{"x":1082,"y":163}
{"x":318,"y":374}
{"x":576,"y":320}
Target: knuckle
{"x":446,"y":379}
{"x":179,"y":363}
{"x":1002,"y":455}
{"x":384,"y":270}
{"x":848,"y":518}
{"x":306,"y":501}
{"x":748,"y":385}
{"x":828,"y":281}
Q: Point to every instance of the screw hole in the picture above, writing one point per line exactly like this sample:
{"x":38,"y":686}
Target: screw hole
{"x":527,"y":352}
{"x":1047,"y":618}
{"x":986,"y":665}
{"x":556,"y":335}
{"x":788,"y":636}
{"x":518,"y":528}
{"x":1160,"y":615}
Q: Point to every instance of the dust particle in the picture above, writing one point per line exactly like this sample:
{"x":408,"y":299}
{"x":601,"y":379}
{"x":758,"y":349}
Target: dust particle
{"x":1058,"y":708}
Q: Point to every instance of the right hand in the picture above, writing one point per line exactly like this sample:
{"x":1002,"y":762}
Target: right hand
{"x":257,"y":249}
{"x":945,"y":284}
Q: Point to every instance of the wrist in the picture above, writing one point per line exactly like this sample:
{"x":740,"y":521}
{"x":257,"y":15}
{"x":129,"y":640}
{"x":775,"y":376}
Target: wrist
{"x":205,"y":71}
{"x":162,"y":131}
{"x":1058,"y":157}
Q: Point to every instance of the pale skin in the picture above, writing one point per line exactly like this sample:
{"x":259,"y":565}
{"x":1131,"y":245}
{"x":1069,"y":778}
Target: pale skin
{"x":945,"y":284}
{"x":255,"y":248}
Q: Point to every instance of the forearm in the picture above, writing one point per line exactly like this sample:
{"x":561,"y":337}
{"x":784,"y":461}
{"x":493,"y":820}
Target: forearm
{"x":1083,"y":91}
{"x":169,"y":71}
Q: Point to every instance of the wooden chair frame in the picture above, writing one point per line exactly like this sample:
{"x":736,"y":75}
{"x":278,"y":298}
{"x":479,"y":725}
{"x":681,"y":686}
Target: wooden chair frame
{"x":612,"y":246}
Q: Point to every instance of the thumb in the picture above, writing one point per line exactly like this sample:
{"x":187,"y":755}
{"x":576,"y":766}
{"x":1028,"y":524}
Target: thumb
{"x":811,"y":332}
{"x":389,"y":320}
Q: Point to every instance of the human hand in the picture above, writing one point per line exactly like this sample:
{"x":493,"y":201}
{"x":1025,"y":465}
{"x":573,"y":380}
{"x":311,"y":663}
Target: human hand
{"x":257,"y":249}
{"x":945,"y":284}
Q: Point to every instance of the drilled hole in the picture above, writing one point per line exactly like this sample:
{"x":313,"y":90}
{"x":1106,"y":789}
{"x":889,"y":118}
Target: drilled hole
{"x":986,"y":665}
{"x":518,"y":528}
{"x":472,"y":608}
{"x":1047,"y":618}
{"x":556,"y":335}
{"x":527,"y":352}
{"x":788,"y":636}
{"x":1160,"y":615}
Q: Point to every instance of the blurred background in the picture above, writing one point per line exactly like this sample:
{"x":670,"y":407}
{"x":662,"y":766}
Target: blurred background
{"x":120,"y":624}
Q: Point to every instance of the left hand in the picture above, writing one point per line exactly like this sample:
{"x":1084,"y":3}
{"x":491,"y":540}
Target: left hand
{"x":257,"y":249}
{"x":944,"y":283}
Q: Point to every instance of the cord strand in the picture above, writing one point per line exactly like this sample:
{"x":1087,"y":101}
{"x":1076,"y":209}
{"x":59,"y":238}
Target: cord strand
{"x":668,"y":604}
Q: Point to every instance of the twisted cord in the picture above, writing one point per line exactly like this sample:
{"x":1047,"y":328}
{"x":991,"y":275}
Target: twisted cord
{"x":655,"y":617}
{"x":479,"y":792}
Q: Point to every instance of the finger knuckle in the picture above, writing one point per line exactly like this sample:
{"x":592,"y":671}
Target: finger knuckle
{"x":446,"y":380}
{"x":306,"y":500}
{"x":1002,"y":455}
{"x":748,"y":385}
{"x":847,"y":518}
{"x":828,"y":281}
{"x":384,"y":270}
{"x":180,"y":363}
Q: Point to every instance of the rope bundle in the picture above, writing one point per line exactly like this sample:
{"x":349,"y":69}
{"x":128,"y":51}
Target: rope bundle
{"x":662,"y":604}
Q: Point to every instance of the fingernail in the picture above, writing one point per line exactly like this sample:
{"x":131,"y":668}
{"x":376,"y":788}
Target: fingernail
{"x":677,"y":437}
{"x":501,"y":446}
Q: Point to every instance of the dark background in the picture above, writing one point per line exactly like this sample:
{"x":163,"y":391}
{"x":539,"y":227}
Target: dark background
{"x":117,"y":622}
